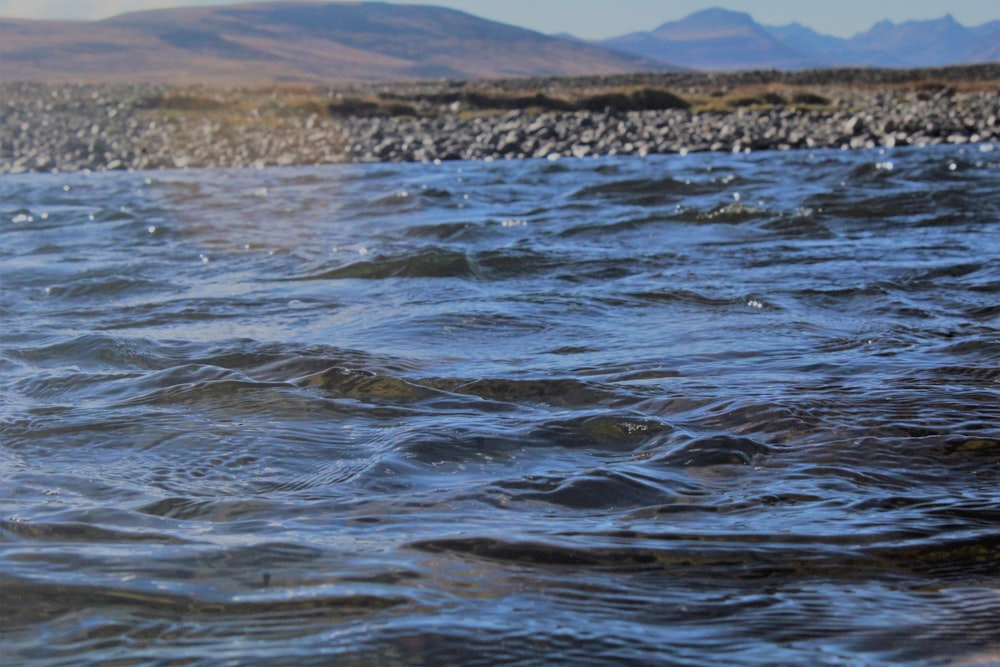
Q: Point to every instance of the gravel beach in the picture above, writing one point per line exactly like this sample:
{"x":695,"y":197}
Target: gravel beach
{"x":100,"y":127}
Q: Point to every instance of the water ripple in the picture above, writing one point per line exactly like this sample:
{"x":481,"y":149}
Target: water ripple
{"x":733,"y":409}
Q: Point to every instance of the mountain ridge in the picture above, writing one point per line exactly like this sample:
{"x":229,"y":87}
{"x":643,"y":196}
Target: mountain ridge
{"x":722,"y":39}
{"x":319,"y":42}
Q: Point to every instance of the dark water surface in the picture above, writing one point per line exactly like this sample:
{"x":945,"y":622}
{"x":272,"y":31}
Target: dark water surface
{"x":695,"y":410}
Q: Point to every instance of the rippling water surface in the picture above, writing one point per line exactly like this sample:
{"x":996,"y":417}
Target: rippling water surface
{"x":692,"y":410}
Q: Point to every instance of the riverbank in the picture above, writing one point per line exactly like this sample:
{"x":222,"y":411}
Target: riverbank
{"x":99,"y":127}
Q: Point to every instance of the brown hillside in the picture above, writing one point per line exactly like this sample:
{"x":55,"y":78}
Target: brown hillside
{"x":312,"y":42}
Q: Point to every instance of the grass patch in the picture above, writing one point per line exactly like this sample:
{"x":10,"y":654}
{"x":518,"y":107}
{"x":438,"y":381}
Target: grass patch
{"x":810,"y":99}
{"x":620,"y":99}
{"x":369,"y":107}
{"x":638,"y":99}
{"x":187,"y":102}
{"x":760,"y":99}
{"x":306,"y":106}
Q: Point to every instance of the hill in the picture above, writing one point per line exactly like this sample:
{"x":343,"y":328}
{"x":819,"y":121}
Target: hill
{"x":309,"y":42}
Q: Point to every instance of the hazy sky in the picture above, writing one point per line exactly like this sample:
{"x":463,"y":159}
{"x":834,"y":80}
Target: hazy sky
{"x":600,"y":18}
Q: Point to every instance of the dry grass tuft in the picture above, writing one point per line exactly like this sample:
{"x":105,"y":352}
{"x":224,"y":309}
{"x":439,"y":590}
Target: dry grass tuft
{"x":179,"y":101}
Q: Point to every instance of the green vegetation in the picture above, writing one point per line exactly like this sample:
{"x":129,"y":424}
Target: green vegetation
{"x":370,"y":107}
{"x":182,"y":101}
{"x":759,"y":98}
{"x":620,"y":99}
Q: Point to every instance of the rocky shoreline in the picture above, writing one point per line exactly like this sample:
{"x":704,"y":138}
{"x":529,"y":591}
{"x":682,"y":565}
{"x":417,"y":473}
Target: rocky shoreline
{"x":104,"y":127}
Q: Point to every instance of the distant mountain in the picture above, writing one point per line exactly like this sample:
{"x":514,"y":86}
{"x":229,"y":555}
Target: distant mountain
{"x":919,"y":43}
{"x":828,"y":50}
{"x":715,"y":39}
{"x":719,"y":39}
{"x":988,"y":49}
{"x":318,"y":42}
{"x":335,"y":42}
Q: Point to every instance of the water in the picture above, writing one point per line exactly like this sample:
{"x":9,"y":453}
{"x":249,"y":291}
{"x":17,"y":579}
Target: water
{"x":694,"y":410}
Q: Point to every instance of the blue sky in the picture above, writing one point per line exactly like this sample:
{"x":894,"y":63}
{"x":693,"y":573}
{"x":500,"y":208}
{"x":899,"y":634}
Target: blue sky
{"x":600,"y":18}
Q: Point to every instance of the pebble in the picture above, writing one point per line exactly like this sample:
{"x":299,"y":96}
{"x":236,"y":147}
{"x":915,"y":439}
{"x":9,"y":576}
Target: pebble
{"x":107,"y":127}
{"x":884,"y":122}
